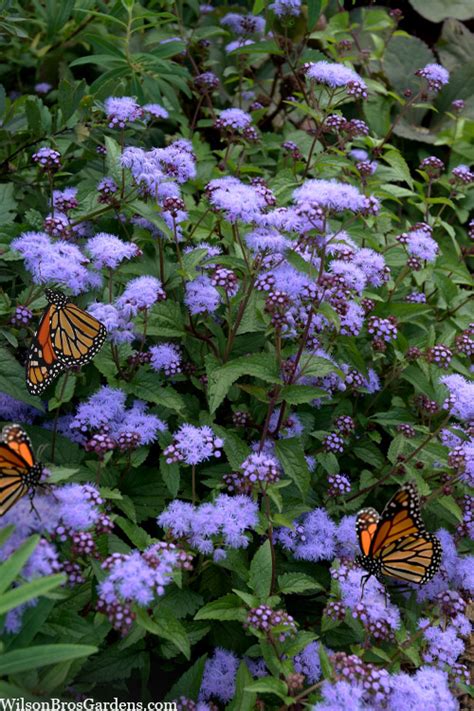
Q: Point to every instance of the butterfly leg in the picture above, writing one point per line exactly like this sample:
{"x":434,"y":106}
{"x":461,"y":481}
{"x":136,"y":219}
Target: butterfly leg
{"x":363,"y":582}
{"x":32,"y":505}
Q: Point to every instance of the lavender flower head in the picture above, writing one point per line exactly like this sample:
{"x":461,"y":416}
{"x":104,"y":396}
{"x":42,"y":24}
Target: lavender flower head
{"x":156,"y":111}
{"x":286,"y":8}
{"x":436,"y":76}
{"x":122,"y":110}
{"x":427,"y":688}
{"x":15,"y":411}
{"x":461,"y":396}
{"x":166,"y":357}
{"x":308,"y":663}
{"x":219,"y":676}
{"x":236,"y":199}
{"x":60,"y":262}
{"x":337,"y":75}
{"x":64,"y":200}
{"x":201,"y":296}
{"x":227,"y":519}
{"x":43,"y":87}
{"x":140,"y":294}
{"x":244,"y":24}
{"x":234,"y":119}
{"x":420,"y":244}
{"x":120,"y":327}
{"x":312,"y":537}
{"x":109,"y":251}
{"x":332,"y":195}
{"x":266,"y":239}
{"x":193,"y":445}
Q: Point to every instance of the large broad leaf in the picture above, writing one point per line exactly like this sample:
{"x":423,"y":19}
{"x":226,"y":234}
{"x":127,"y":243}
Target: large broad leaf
{"x":291,"y":455}
{"x":7,"y":203}
{"x":260,"y":579}
{"x":461,"y":86}
{"x":20,"y":660}
{"x":439,"y":10}
{"x":168,"y":627}
{"x":13,"y":380}
{"x":228,"y":607}
{"x":403,"y":56}
{"x":260,"y":365}
{"x":456,"y":45}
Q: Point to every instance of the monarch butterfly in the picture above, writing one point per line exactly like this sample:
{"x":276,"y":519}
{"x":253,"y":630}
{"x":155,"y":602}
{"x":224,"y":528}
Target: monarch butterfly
{"x":66,"y":336}
{"x":396,"y":543}
{"x":19,"y":472}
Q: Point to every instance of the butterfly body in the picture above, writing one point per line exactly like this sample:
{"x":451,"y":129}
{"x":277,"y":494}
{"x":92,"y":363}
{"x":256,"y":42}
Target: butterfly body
{"x":396,"y":543}
{"x":20,"y":474}
{"x":67,"y":336}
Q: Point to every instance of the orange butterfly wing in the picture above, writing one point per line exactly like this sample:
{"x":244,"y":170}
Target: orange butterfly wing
{"x":66,"y":336}
{"x":19,"y":473}
{"x":42,"y":365}
{"x":397,"y":543}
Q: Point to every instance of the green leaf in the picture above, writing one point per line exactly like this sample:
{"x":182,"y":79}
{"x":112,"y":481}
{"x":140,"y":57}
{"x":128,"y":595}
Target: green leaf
{"x":402,"y":57}
{"x":20,"y":660}
{"x":19,"y":595}
{"x":317,"y":366}
{"x":228,"y":607}
{"x":189,"y":683}
{"x":235,"y":448}
{"x":259,"y":365}
{"x":171,"y":475}
{"x":297,"y":583}
{"x":140,"y":538}
{"x":371,"y":454}
{"x":146,"y":385}
{"x":300,"y":394}
{"x":167,"y":320}
{"x":268,"y":685}
{"x":326,"y":667}
{"x":12,"y":567}
{"x":260,"y":579}
{"x":167,"y":626}
{"x":314,"y":11}
{"x":439,"y":10}
{"x":244,"y":700}
{"x":399,"y":166}
{"x":13,"y":381}
{"x":290,"y":452}
{"x":8,"y":203}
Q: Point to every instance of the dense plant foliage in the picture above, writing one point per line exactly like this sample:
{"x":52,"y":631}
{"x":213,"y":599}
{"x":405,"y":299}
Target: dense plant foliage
{"x":269,"y":209}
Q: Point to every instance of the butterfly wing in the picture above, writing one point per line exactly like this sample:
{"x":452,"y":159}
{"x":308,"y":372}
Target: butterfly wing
{"x":366,"y":527}
{"x":42,"y":365}
{"x":76,"y":336}
{"x":401,"y":547}
{"x":415,"y":558}
{"x":18,"y":470}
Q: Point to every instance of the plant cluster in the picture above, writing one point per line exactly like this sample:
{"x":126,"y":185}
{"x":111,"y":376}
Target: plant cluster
{"x":270,"y":210}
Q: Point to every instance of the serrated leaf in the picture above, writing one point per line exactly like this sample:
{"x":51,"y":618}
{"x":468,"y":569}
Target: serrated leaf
{"x":297,"y":583}
{"x":165,"y":625}
{"x":268,"y":685}
{"x":260,"y":579}
{"x":259,"y":365}
{"x":290,"y":452}
{"x":228,"y":607}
